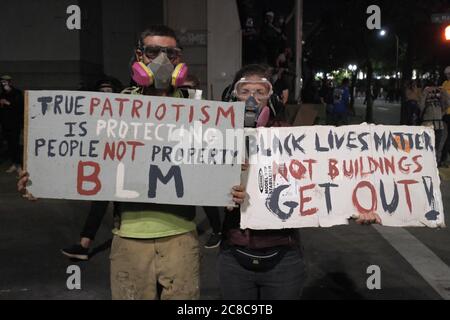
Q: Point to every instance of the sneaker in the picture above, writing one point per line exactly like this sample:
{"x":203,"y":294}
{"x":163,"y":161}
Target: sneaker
{"x":213,"y":241}
{"x":11,"y":169}
{"x":76,"y":252}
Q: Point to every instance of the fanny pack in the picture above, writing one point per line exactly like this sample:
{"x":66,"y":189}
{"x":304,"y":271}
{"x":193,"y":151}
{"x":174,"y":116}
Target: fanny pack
{"x":258,"y":260}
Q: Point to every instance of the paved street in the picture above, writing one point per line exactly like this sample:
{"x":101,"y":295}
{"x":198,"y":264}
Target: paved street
{"x":383,"y":112}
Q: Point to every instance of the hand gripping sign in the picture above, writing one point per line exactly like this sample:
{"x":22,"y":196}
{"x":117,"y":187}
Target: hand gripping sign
{"x":105,"y":146}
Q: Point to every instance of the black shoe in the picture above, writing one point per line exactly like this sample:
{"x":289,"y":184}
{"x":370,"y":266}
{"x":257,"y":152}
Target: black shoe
{"x":213,"y":241}
{"x":76,"y":252}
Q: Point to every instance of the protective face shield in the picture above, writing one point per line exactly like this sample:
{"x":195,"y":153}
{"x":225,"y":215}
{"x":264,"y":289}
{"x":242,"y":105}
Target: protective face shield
{"x":160,"y":73}
{"x":255,"y":93}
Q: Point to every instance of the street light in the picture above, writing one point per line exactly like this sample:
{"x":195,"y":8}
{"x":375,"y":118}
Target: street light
{"x":352,"y":67}
{"x":382,"y":34}
{"x":447,"y":33}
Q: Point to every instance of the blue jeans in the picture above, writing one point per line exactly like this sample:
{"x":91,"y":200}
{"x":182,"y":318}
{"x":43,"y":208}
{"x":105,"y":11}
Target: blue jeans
{"x":284,"y":282}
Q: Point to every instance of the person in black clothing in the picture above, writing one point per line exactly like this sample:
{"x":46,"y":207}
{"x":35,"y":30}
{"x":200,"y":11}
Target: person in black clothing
{"x":93,"y":221}
{"x":270,"y":39}
{"x":11,"y":117}
{"x":281,"y":87}
{"x":212,"y":213}
{"x":281,"y":276}
{"x":261,"y":264}
{"x":97,"y":210}
{"x":326,"y":98}
{"x":250,"y":43}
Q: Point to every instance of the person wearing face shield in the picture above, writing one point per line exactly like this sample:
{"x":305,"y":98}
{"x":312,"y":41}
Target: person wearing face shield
{"x":11,"y":117}
{"x":280,"y":272}
{"x":275,"y":278}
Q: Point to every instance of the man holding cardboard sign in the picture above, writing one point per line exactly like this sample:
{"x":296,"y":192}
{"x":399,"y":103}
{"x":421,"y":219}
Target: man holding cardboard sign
{"x":155,"y":251}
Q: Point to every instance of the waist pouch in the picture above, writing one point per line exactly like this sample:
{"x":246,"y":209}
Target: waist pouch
{"x":258,"y":260}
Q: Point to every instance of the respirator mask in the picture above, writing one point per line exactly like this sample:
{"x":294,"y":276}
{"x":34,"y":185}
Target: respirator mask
{"x":254,"y":92}
{"x":160,"y":72}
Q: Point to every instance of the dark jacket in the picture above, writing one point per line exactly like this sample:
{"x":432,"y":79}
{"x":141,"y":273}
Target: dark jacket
{"x":11,"y":117}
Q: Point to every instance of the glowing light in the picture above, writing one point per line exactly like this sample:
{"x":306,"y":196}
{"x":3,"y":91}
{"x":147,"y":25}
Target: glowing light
{"x":360,"y":75}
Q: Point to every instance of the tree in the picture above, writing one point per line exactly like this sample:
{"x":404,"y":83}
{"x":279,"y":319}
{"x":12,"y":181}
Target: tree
{"x":341,"y":37}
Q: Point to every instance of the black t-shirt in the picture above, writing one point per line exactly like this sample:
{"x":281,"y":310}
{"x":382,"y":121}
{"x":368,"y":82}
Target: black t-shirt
{"x":280,"y":85}
{"x":12,"y":116}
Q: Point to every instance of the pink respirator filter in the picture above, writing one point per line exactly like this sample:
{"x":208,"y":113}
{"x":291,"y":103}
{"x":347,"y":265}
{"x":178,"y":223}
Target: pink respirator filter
{"x":263,"y":118}
{"x":140,"y":75}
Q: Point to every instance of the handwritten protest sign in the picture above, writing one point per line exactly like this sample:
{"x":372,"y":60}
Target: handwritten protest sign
{"x":101,"y":146}
{"x":322,"y":176}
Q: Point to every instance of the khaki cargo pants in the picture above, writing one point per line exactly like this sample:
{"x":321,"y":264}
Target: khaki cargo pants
{"x":139,"y":266}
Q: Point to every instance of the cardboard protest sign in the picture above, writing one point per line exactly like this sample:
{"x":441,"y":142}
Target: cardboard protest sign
{"x":102,"y":146}
{"x":322,"y":176}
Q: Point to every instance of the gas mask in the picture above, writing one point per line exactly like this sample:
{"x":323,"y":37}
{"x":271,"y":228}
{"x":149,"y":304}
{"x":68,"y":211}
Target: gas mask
{"x":253,"y":92}
{"x":255,"y":115}
{"x":160,"y":73}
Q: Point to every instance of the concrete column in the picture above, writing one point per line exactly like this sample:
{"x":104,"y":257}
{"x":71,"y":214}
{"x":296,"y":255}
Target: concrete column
{"x":224,"y":45}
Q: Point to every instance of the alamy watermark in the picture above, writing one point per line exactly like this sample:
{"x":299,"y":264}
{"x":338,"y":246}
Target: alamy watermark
{"x":73,"y":21}
{"x":374,"y":280}
{"x":374,"y":20}
{"x":74,"y":279}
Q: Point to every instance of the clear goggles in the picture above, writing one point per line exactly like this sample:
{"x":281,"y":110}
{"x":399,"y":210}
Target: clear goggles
{"x":259,"y":89}
{"x":153,"y":51}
